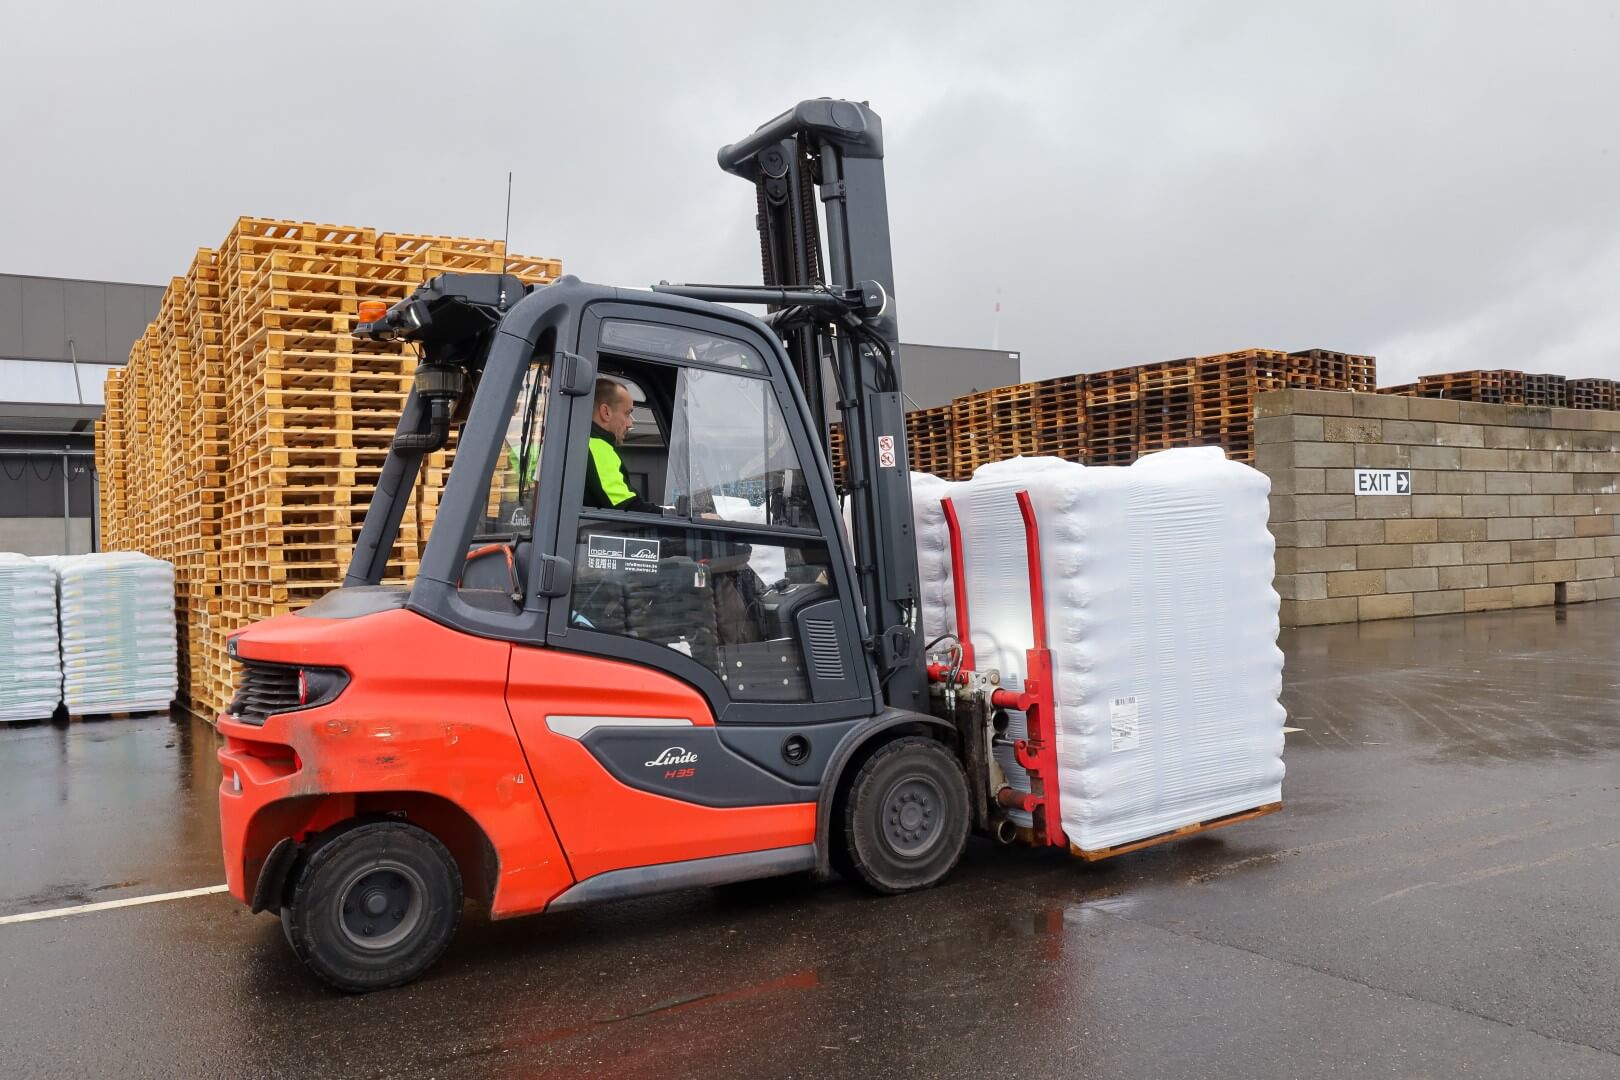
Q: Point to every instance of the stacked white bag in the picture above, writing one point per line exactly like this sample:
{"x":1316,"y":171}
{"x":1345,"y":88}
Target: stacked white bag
{"x":30,"y":660}
{"x":933,"y":555}
{"x":1162,"y":624}
{"x":118,"y":632}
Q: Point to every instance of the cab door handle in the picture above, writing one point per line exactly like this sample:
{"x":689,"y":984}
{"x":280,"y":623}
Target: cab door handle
{"x":556,"y":576}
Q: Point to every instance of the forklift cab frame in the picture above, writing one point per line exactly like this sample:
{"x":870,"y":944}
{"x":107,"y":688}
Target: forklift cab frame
{"x":563,"y":325}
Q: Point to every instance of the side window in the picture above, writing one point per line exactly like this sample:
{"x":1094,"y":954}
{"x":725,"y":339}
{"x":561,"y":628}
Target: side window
{"x":496,"y":562}
{"x":729,"y":453}
{"x":509,"y":498}
{"x":729,"y":603}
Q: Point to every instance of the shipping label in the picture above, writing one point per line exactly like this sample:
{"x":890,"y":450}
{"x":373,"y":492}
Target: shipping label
{"x":1124,"y":722}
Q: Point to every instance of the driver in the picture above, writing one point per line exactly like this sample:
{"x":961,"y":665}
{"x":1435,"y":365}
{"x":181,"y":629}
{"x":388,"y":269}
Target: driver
{"x":607,"y":485}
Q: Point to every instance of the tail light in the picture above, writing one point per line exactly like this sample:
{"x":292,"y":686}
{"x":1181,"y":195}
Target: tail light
{"x":318,"y":686}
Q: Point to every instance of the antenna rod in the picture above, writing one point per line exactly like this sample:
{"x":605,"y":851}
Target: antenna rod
{"x":506,"y":237}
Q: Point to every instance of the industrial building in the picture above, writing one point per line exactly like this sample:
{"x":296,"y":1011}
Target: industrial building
{"x":58,"y":339}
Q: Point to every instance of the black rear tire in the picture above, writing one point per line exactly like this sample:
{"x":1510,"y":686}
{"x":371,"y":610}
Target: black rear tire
{"x":905,"y":818}
{"x":374,"y":906}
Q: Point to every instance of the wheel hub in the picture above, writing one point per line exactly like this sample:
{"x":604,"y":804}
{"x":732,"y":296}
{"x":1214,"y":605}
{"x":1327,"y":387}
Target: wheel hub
{"x":381,"y":905}
{"x":910,"y":816}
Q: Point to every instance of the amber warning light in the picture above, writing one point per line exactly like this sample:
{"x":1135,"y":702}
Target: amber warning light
{"x":372,"y":310}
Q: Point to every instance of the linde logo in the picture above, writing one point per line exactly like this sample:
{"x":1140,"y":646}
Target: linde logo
{"x":675,"y":755}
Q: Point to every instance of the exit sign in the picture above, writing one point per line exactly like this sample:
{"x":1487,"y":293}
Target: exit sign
{"x":1383,"y":481}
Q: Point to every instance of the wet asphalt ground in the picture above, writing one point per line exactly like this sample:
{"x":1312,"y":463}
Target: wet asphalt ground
{"x":1437,"y":899}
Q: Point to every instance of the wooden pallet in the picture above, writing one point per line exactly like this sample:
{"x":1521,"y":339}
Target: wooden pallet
{"x":1060,"y":429}
{"x":1096,"y":854}
{"x":1341,"y":371}
{"x":1593,"y":394}
{"x":244,"y":438}
{"x":1546,"y":391}
{"x":928,"y":440}
{"x":1495,"y":387}
{"x":1113,"y":417}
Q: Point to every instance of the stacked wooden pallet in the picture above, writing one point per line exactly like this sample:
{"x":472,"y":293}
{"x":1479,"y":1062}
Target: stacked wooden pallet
{"x":243,"y":440}
{"x":835,"y":455}
{"x":1229,"y":382}
{"x":1113,"y":417}
{"x":1061,"y":417}
{"x":994,"y":425}
{"x":1593,"y":394}
{"x":1504,"y":386}
{"x":929,"y":439}
{"x":1167,"y":396}
{"x":1547,"y":391}
{"x":1325,"y":369}
{"x":1496,"y":387}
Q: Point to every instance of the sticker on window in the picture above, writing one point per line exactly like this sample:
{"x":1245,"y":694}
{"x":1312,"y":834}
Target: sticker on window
{"x":617,"y":553}
{"x":1124,"y":720}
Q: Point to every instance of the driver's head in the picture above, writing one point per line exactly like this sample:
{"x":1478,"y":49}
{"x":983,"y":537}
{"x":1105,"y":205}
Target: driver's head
{"x":612,"y":408}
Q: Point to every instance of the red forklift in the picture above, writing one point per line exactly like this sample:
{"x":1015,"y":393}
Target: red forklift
{"x":572,"y":704}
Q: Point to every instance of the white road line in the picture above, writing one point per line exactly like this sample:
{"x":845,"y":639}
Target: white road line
{"x":108,"y":905}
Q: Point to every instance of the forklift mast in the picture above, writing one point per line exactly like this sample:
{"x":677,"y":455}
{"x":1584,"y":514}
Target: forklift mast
{"x":834,"y":307}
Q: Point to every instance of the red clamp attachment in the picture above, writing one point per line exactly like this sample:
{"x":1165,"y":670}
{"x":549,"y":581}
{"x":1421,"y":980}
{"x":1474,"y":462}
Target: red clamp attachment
{"x":1037,"y":753}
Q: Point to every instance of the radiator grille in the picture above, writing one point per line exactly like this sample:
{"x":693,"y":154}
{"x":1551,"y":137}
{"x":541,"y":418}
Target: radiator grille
{"x":263,"y":689}
{"x":826,"y":658}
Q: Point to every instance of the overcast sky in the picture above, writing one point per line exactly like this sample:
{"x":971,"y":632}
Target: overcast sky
{"x":1436,"y":183}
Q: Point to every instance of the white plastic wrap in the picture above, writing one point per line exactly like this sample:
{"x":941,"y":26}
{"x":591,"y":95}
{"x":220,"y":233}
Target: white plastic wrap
{"x":1162,"y":624}
{"x":933,"y":555}
{"x":118,"y":632}
{"x":30,"y":659}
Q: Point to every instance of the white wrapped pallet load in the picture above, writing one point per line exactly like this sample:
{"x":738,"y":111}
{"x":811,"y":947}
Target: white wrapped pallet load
{"x":30,"y":658}
{"x":118,"y":632}
{"x":933,"y":554}
{"x":1162,"y":628}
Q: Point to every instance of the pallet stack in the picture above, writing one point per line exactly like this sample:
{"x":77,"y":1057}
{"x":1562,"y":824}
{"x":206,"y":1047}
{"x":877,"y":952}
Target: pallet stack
{"x":994,"y":425}
{"x":1167,"y":395}
{"x":929,"y":439}
{"x":1497,"y":387}
{"x":1227,"y":386}
{"x":1113,"y":417}
{"x":1061,"y":417}
{"x":1546,"y":391}
{"x":243,"y":440}
{"x":1504,"y":386}
{"x":1334,"y":370}
{"x":1593,"y":394}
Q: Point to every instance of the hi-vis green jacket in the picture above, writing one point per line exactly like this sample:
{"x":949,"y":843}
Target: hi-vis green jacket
{"x":607,"y":487}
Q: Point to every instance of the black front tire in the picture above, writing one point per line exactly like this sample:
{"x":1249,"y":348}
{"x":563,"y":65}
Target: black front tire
{"x":374,"y":906}
{"x":905,"y":820}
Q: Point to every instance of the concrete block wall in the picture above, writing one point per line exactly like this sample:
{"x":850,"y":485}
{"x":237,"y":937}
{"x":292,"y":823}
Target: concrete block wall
{"x":1510,"y":506}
